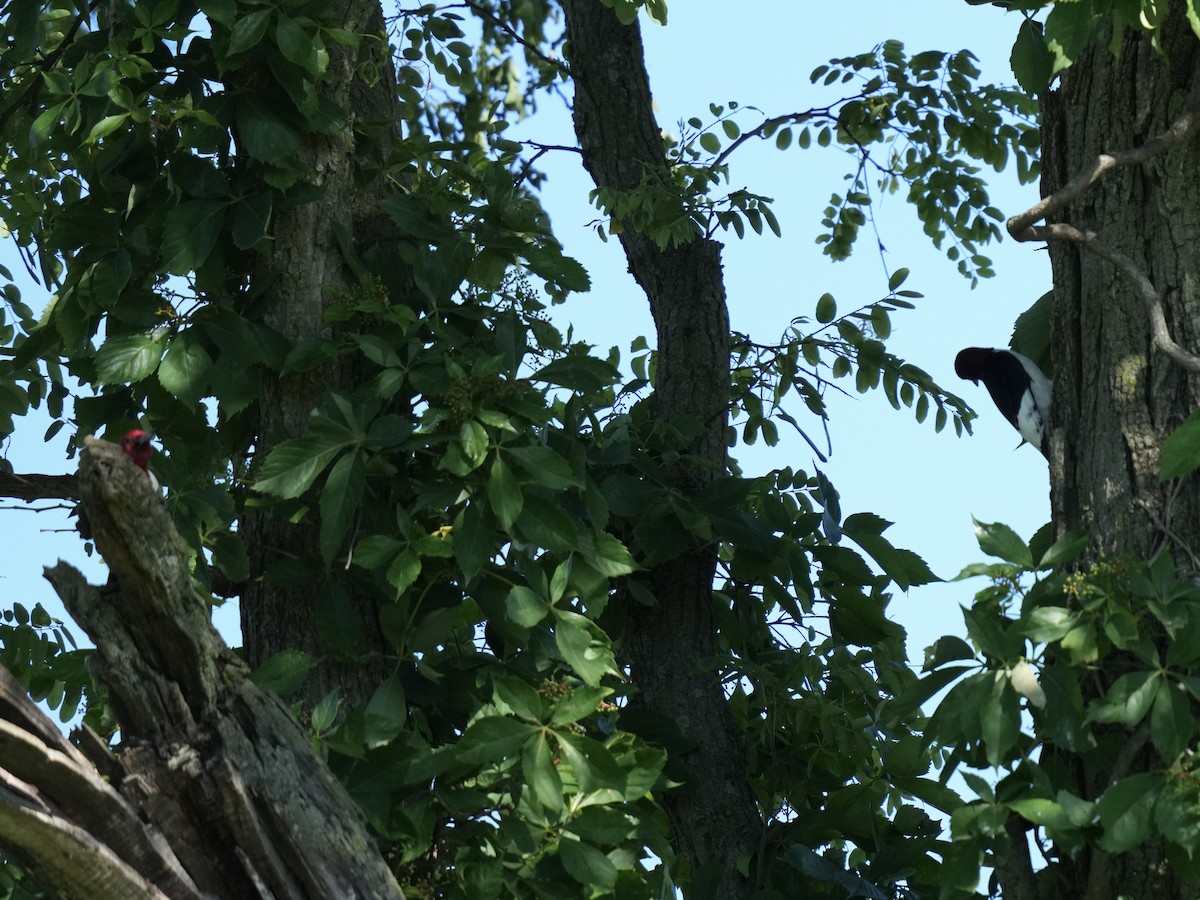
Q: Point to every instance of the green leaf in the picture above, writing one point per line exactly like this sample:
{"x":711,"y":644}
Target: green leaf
{"x":1031,"y":60}
{"x":1048,"y":623}
{"x":913,"y":696}
{"x":473,"y":438}
{"x":294,"y":42}
{"x":404,"y":570}
{"x":578,"y":704}
{"x":947,"y":648}
{"x":325,"y":713}
{"x":185,"y":367}
{"x":1000,"y":719}
{"x":263,"y":133}
{"x":248,"y":31}
{"x":583,"y":646}
{"x":547,"y":525}
{"x":1125,"y":810}
{"x":492,"y":739}
{"x":105,"y":127}
{"x":710,"y":142}
{"x":378,"y":350}
{"x":504,"y":494}
{"x":1065,"y":549}
{"x":1081,"y":642}
{"x":1171,"y":724}
{"x":1192,"y":16}
{"x":375,"y":550}
{"x":1180,"y":452}
{"x":537,"y":766}
{"x":386,"y":713}
{"x":1176,"y":814}
{"x":294,"y":465}
{"x":338,"y":621}
{"x":229,"y":555}
{"x":999,"y":540}
{"x":1127,"y":701}
{"x":544,"y":466}
{"x":596,"y":771}
{"x":189,"y":234}
{"x":520,"y":697}
{"x":224,"y":12}
{"x":824,"y":870}
{"x":904,"y":567}
{"x":1031,"y":332}
{"x":610,"y":558}
{"x":578,"y":372}
{"x":1069,"y":27}
{"x":284,"y":672}
{"x":1041,"y":811}
{"x":826,"y":309}
{"x":473,"y":538}
{"x":586,"y":864}
{"x":252,"y":220}
{"x":525,"y":606}
{"x":127,"y":359}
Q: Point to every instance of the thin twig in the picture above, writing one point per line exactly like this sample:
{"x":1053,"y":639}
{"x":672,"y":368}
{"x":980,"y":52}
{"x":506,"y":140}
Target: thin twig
{"x":1020,"y":226}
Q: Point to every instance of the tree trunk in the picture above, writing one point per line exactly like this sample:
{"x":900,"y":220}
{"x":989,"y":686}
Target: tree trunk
{"x":307,"y":274}
{"x":1116,"y":397}
{"x":669,"y":645}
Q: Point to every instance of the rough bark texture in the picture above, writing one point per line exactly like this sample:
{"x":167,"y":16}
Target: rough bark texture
{"x":1115,"y":397}
{"x":308,"y":273}
{"x":714,"y":815}
{"x":217,"y":791}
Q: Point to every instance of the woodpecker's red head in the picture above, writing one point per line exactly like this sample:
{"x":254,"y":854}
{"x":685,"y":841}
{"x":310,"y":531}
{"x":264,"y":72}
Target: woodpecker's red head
{"x":137,"y":444}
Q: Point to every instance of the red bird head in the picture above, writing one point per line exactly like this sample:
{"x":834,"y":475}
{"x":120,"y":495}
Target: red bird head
{"x":137,"y":444}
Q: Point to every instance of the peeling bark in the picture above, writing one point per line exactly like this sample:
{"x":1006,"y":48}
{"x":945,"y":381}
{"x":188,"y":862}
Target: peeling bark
{"x":714,"y":816}
{"x":217,"y":791}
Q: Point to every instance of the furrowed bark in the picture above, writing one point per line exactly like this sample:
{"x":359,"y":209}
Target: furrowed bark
{"x":670,"y":645}
{"x":1117,"y":392}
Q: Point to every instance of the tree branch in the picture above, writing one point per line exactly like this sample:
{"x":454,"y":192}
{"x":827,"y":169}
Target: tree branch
{"x":670,"y":644}
{"x":33,"y":487}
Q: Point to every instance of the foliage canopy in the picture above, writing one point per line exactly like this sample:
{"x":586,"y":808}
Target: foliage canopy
{"x":500,"y":490}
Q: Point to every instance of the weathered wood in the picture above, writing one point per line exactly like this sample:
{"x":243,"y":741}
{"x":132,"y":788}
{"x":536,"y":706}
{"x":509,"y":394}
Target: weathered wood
{"x":216,"y":791}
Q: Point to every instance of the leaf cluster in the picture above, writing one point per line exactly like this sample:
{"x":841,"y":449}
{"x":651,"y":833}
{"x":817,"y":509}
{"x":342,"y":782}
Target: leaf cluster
{"x":1105,"y":657}
{"x":488,"y":482}
{"x":1043,"y":50}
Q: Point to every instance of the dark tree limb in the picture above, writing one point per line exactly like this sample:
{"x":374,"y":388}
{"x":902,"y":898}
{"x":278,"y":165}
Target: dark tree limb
{"x":32,"y":487}
{"x":671,"y":645}
{"x":217,"y":791}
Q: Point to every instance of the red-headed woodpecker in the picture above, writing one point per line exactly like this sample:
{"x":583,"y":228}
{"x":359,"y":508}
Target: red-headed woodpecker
{"x":136,"y":444}
{"x":1018,"y":388}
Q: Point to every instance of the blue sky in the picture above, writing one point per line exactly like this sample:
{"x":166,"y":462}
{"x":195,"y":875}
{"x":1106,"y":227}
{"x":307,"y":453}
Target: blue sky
{"x":760,"y":53}
{"x":929,"y":485}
